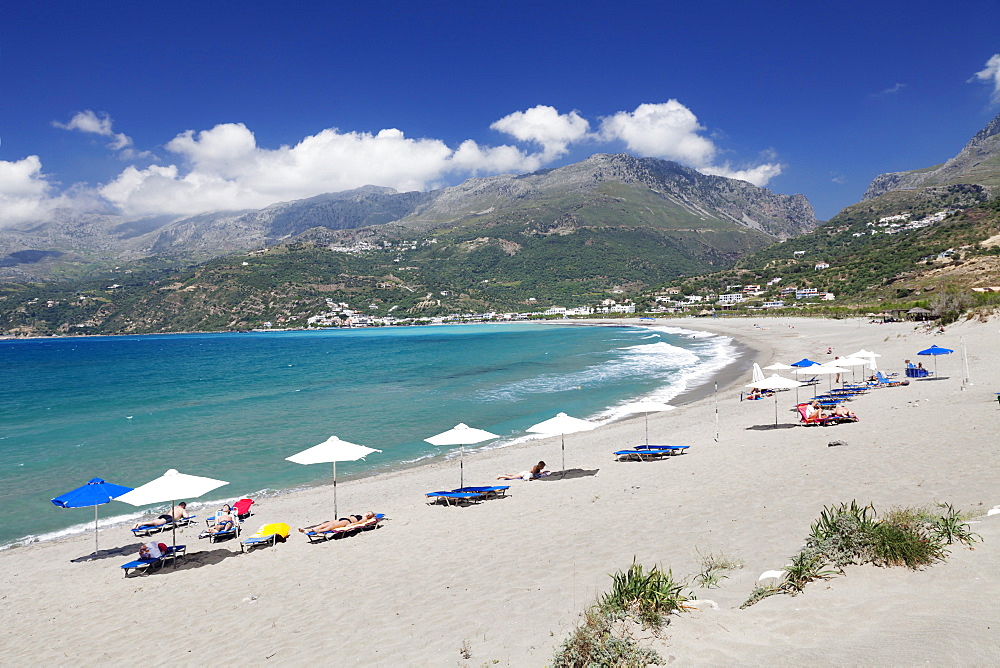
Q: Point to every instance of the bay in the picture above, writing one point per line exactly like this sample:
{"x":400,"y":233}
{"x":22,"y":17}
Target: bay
{"x":233,"y":406}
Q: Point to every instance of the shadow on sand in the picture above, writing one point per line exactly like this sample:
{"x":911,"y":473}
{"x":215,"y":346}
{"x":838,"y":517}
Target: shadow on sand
{"x":770,"y":427}
{"x":569,"y":474}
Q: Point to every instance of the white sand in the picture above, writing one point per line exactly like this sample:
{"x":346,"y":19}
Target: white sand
{"x":506,"y":579}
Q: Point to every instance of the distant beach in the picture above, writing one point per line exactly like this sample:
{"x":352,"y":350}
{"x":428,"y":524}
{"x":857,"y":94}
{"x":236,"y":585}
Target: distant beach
{"x":503,"y":582}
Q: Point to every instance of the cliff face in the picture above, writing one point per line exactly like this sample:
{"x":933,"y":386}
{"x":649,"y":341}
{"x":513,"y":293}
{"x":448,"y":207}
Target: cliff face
{"x":977,"y":163}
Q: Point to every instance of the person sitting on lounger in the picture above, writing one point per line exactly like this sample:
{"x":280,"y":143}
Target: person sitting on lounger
{"x":224,"y":522}
{"x":814,"y":412}
{"x":180,"y":512}
{"x":338,"y":524}
{"x":537,"y":471}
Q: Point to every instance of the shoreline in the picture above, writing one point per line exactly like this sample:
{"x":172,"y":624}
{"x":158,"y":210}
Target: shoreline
{"x":537,"y":557}
{"x":726,"y":377}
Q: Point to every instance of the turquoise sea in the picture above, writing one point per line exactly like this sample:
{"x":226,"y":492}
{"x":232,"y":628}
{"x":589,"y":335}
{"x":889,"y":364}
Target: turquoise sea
{"x":233,"y":406}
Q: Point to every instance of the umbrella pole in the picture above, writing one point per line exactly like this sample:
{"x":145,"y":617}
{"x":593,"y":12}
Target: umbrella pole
{"x":775,"y":409}
{"x":647,"y":426}
{"x":96,"y":549}
{"x":461,"y":468}
{"x":563,"y":452}
{"x":173,"y":529}
{"x":335,"y":489}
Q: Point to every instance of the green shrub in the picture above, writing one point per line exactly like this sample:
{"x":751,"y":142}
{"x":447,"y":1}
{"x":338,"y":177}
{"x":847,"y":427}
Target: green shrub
{"x":951,"y":527}
{"x":842,"y":534}
{"x":712,"y":565}
{"x":594,"y":643}
{"x":907,"y":545}
{"x":645,"y":595}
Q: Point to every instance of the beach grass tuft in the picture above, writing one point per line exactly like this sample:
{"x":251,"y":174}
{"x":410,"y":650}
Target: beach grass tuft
{"x":594,"y":642}
{"x":852,"y":534}
{"x":646,"y":595}
{"x":713,"y":567}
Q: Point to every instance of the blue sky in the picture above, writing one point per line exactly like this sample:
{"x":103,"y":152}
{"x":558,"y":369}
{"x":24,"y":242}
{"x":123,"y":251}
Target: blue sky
{"x":185,"y":107}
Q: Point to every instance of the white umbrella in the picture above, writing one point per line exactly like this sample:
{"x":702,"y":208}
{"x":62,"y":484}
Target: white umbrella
{"x":852,"y":361}
{"x":778,"y":366}
{"x":463,"y":435}
{"x":647,"y":407}
{"x":864,"y":353}
{"x":827,"y":370}
{"x":562,"y":424}
{"x":775,"y":382}
{"x":332,"y":450}
{"x":171,"y":486}
{"x":757,"y":374}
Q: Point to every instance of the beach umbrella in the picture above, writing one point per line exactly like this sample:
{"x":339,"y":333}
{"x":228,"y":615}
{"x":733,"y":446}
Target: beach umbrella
{"x":756,"y":374}
{"x":778,"y":366}
{"x":864,"y":353}
{"x":775,"y":382}
{"x":171,"y":486}
{"x":461,"y":435}
{"x":804,"y":362}
{"x":827,"y":370}
{"x":332,"y":450}
{"x":852,"y":362}
{"x":562,"y":424}
{"x":934,"y":351}
{"x":647,"y":407}
{"x":95,"y":493}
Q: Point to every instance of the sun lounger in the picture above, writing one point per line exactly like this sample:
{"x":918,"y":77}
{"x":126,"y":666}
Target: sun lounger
{"x":824,"y":421}
{"x":150,"y":565}
{"x":882,"y":381}
{"x":486,"y":492}
{"x":242,"y":508}
{"x":456,"y":498}
{"x":149,"y":530}
{"x":231,"y":532}
{"x":349,"y":530}
{"x":269,"y":534}
{"x":646,"y":453}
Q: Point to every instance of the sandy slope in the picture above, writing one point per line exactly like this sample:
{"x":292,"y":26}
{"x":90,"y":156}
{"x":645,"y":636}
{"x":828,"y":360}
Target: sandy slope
{"x":506,"y":580}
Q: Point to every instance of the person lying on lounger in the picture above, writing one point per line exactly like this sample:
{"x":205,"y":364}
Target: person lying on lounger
{"x":342,"y":522}
{"x":537,"y":471}
{"x":180,"y":512}
{"x":843,"y":411}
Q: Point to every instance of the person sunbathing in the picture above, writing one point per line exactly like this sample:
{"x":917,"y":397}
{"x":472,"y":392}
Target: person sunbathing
{"x":224,"y":522}
{"x":338,"y":524}
{"x":843,"y":411}
{"x":537,"y":471}
{"x":180,"y":512}
{"x":814,"y":412}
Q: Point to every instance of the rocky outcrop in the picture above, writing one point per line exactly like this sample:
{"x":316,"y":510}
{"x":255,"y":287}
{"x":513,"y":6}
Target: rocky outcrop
{"x":977,"y":163}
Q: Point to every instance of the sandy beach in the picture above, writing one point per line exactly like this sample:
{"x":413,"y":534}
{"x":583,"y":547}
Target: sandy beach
{"x":504,"y":582}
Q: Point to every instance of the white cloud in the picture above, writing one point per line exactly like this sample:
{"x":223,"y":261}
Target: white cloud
{"x":991,"y":75}
{"x":99,"y":124}
{"x":223,"y":168}
{"x":670,"y":131}
{"x":892,"y":90}
{"x":23,"y":191}
{"x":546,"y":126}
{"x":227,"y":170}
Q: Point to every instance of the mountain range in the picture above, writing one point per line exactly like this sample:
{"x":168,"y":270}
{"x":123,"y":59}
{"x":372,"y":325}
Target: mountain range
{"x":603,"y":191}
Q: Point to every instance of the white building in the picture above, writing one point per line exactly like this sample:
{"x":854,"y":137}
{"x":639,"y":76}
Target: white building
{"x":732,"y":298}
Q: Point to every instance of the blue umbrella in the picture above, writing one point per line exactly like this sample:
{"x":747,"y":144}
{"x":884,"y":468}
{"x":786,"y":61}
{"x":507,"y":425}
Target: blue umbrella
{"x":94,"y":493}
{"x":805,"y":362}
{"x":936,"y":350}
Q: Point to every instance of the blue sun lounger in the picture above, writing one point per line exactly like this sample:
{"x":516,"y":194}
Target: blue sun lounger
{"x":644,"y":453}
{"x":150,"y":565}
{"x":231,"y":532}
{"x":349,"y":530}
{"x":486,"y":492}
{"x":449,"y":498}
{"x":149,"y":530}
